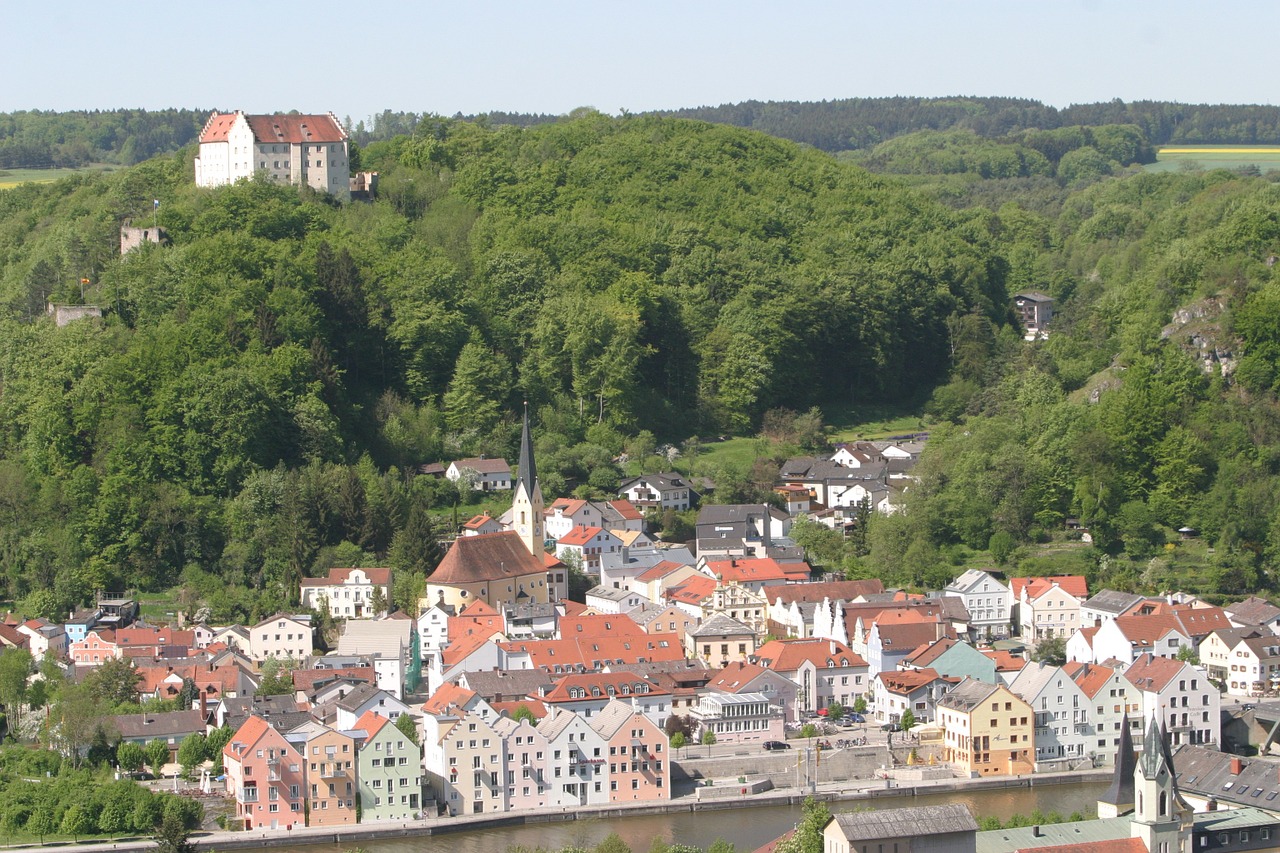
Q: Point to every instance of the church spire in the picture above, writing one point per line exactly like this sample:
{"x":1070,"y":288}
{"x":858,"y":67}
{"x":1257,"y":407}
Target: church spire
{"x":1118,"y":798}
{"x":526,"y":472}
{"x":526,"y":504}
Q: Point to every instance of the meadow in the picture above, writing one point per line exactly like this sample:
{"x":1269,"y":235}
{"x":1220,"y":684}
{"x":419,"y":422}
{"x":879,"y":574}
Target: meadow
{"x":1179,"y":157}
{"x":14,"y":177}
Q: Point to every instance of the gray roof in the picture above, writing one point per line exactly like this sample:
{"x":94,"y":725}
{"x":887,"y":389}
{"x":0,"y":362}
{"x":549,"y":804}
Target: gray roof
{"x":511,"y":684}
{"x":612,"y":717}
{"x":1120,"y":792}
{"x":720,"y":625}
{"x":1206,"y":772}
{"x":906,"y":823}
{"x":610,"y":593}
{"x":386,"y":638}
{"x":167,"y":724}
{"x":967,"y":695}
{"x":1080,"y":832}
{"x":735,"y":513}
{"x":1112,"y":601}
{"x":661,"y":482}
{"x":1253,"y":611}
{"x":359,"y":694}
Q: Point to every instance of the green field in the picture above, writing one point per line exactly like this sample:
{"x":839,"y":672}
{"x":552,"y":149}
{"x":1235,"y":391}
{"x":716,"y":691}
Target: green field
{"x":13,"y":177}
{"x":1175,"y":157}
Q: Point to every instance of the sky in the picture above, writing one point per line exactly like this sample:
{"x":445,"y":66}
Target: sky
{"x":544,"y":56}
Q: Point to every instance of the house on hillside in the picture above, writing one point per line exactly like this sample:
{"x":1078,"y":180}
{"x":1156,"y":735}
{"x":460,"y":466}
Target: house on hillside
{"x":1035,"y":310}
{"x":348,"y":593}
{"x":304,"y":150}
{"x":658,"y":491}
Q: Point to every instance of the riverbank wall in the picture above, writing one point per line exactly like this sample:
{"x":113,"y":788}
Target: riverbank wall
{"x":350,"y":835}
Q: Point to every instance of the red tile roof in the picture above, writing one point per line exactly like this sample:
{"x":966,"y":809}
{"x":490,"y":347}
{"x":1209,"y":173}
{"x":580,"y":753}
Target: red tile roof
{"x":306,"y":679}
{"x":736,"y":677}
{"x":371,"y":722}
{"x":1072,"y":584}
{"x":462,"y":647}
{"x":447,"y":696}
{"x":1090,"y":677}
{"x":217,"y":127}
{"x":627,"y":510}
{"x":580,"y":536}
{"x":489,"y":557}
{"x":296,"y":128}
{"x":1153,"y":673}
{"x":747,"y":570}
{"x":788,"y":655}
{"x":599,"y":625}
{"x":661,"y":570}
{"x":907,"y":680}
{"x":595,"y":653}
{"x":1005,"y":661}
{"x":538,"y":709}
{"x":609,"y":684}
{"x":1144,"y":631}
{"x":693,"y":590}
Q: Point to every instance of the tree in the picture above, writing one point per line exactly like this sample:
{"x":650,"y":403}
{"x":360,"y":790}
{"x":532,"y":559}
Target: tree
{"x":708,"y":740}
{"x":678,"y":741}
{"x":835,"y":711}
{"x":1188,"y":654}
{"x":41,"y":822}
{"x":908,"y":720}
{"x":378,"y":602}
{"x":860,"y":705}
{"x":277,"y":677}
{"x":131,"y":756}
{"x":75,"y":721}
{"x":76,"y":821}
{"x":191,"y":752}
{"x":721,"y":846}
{"x":172,"y":835}
{"x":114,"y":682}
{"x":809,"y":730}
{"x":157,"y":756}
{"x":612,"y":843}
{"x":808,"y":837}
{"x":1051,"y":650}
{"x":15,"y":669}
{"x":522,"y":712}
{"x":408,"y":727}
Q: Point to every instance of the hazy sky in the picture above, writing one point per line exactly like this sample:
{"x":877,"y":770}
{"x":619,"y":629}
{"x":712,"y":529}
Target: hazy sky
{"x":357,"y":58}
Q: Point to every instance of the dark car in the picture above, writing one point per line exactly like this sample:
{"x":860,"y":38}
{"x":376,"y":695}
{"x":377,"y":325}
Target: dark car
{"x":856,"y":718}
{"x":891,"y":727}
{"x":141,"y":776}
{"x":776,"y":744}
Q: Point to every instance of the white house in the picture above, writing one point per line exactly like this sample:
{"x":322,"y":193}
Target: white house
{"x":1049,"y":607}
{"x":348,"y":593}
{"x":281,"y":636}
{"x":1112,"y":699}
{"x":988,"y":601}
{"x":1246,"y":660}
{"x":1179,"y":696}
{"x":1107,"y":605}
{"x":306,"y":150}
{"x":1062,"y":712}
{"x":605,"y":599}
{"x":1126,"y":637}
{"x":386,"y":643}
{"x":658,"y":491}
{"x":588,"y":544}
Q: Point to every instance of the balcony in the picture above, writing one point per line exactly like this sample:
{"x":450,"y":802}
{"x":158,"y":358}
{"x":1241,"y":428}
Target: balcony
{"x":248,"y":795}
{"x":330,"y":770}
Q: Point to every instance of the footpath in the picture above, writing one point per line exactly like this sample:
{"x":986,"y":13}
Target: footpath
{"x":688,"y":801}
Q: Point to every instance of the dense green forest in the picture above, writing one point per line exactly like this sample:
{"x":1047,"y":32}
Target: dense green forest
{"x":249,"y":408}
{"x":244,"y":413}
{"x":37,"y":139}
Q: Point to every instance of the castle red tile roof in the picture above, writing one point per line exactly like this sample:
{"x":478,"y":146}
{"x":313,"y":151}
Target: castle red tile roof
{"x":217,"y":127}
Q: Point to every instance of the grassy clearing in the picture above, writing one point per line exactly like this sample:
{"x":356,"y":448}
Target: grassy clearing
{"x":1177,"y":157}
{"x":14,"y":177}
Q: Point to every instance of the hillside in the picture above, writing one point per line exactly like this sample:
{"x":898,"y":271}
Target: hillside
{"x":245,"y":407}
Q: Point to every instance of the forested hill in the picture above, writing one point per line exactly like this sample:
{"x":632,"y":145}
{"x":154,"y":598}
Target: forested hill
{"x":245,"y":407}
{"x":38,"y":139}
{"x":858,"y":123}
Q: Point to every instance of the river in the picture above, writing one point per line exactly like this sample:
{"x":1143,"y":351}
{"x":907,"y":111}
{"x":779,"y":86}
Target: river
{"x":747,"y":829}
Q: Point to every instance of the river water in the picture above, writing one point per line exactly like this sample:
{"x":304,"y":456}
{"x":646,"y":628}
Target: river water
{"x":747,"y":829}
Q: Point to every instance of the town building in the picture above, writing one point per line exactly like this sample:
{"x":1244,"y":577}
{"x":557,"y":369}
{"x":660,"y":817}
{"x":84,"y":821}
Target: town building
{"x":988,"y":601}
{"x":281,"y":637}
{"x":266,"y":776}
{"x":389,"y":770}
{"x":658,"y":492}
{"x":987,"y":730}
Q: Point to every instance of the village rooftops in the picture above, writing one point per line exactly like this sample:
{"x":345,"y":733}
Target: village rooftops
{"x":481,"y":559}
{"x":788,"y":655}
{"x":338,"y":577}
{"x":280,"y":127}
{"x":1253,"y":611}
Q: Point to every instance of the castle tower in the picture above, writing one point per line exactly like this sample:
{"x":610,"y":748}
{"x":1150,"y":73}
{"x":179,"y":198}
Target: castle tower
{"x":526,"y":506}
{"x":1158,"y":808}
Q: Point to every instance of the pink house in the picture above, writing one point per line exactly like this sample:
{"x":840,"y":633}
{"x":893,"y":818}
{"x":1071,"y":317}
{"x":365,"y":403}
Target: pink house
{"x":639,"y":765}
{"x":97,"y":646}
{"x":265,"y":775}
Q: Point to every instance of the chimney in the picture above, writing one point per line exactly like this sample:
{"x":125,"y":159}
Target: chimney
{"x":1236,"y":765}
{"x":833,"y":647}
{"x":1035,"y":831}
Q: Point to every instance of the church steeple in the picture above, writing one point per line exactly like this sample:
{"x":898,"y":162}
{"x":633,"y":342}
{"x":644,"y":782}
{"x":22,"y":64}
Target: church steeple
{"x":526,"y":505}
{"x":1118,"y":798}
{"x":1160,"y":809}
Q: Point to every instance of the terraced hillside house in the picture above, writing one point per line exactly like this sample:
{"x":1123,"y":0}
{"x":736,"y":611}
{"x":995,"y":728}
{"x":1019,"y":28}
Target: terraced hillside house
{"x":303,"y":150}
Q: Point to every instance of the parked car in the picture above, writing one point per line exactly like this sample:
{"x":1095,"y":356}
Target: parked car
{"x":891,"y":727}
{"x":776,"y":744}
{"x":856,"y":718}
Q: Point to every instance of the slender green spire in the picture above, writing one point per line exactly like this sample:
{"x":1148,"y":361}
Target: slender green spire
{"x":526,"y":472}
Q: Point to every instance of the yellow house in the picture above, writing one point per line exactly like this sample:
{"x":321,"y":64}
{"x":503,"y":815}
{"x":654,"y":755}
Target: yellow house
{"x":987,"y":729}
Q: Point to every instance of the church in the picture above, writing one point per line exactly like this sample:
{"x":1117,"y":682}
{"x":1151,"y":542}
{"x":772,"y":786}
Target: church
{"x":508,"y":567}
